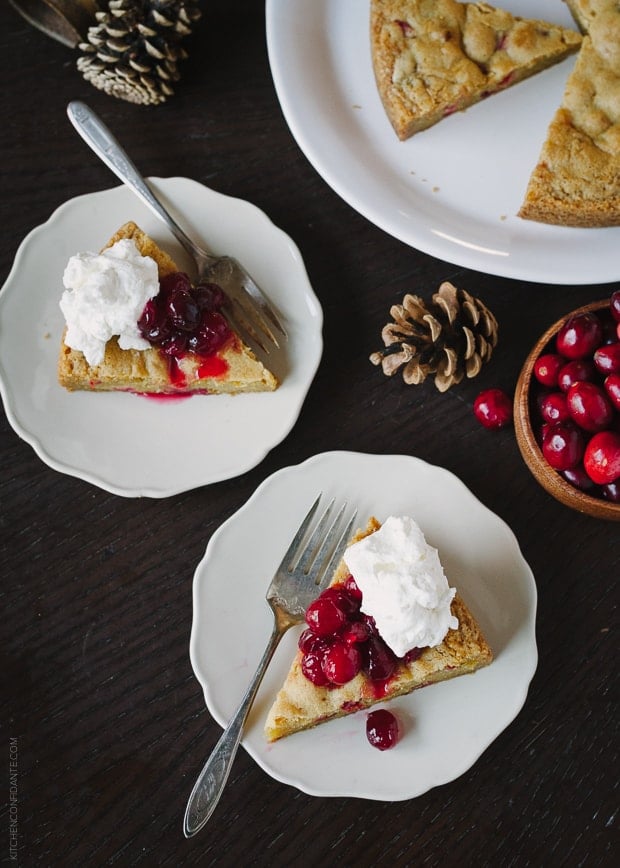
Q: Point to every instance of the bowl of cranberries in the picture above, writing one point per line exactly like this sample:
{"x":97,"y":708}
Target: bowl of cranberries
{"x":567,"y":409}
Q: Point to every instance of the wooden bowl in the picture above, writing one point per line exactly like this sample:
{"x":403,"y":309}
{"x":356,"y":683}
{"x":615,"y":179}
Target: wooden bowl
{"x":549,"y":478}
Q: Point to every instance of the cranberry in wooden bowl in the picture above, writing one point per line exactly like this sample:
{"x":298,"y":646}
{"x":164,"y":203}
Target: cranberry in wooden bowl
{"x":575,"y":458}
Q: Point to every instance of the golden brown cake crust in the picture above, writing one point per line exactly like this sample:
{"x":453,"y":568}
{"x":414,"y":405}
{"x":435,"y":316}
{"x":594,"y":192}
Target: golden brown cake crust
{"x":577,"y":179}
{"x":301,"y":705}
{"x":148,"y":370}
{"x":600,"y":19}
{"x":434,"y":57}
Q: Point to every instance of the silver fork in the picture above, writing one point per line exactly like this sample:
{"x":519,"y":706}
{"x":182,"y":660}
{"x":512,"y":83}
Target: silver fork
{"x":305,"y":567}
{"x":251,"y":314}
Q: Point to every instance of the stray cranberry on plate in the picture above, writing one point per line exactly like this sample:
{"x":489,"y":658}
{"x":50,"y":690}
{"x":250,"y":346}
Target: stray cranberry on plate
{"x":382,"y":730}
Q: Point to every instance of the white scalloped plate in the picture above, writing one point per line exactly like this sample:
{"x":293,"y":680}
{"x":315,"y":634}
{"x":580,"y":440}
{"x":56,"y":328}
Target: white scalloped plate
{"x":452,"y":191}
{"x":447,"y":726}
{"x":124,"y":443}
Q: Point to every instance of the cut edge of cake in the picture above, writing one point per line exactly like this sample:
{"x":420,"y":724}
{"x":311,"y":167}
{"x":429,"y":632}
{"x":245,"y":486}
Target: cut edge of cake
{"x":238,"y":370}
{"x":301,"y":705}
{"x":576,"y":181}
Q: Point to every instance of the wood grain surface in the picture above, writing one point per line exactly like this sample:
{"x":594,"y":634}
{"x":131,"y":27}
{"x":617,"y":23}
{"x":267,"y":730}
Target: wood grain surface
{"x":101,"y":712}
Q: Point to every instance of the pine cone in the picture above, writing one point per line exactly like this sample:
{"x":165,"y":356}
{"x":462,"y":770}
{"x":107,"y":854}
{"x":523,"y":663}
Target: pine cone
{"x":451,"y":338}
{"x":133,"y":51}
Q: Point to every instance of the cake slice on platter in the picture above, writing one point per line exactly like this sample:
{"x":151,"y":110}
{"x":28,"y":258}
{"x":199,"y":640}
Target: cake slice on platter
{"x":576,"y":181}
{"x":432,"y":58}
{"x":134,"y":322}
{"x":387,"y":624}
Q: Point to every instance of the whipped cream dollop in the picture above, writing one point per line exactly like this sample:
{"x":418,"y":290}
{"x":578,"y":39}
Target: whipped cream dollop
{"x":105,"y":294}
{"x":403,"y":585}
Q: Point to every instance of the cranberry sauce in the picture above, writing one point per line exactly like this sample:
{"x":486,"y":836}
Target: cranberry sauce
{"x":341,"y":641}
{"x":183,"y":319}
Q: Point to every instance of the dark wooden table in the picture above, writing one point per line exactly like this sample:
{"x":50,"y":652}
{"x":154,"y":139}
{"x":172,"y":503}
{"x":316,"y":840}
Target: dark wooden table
{"x":101,"y":711}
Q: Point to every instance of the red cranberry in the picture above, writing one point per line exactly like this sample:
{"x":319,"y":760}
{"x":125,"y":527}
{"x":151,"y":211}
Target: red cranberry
{"x":541,"y":432}
{"x":175,"y":344}
{"x":493,"y":408}
{"x":379,"y":660}
{"x":602,"y":457}
{"x":351,"y":586}
{"x":176,"y":281}
{"x":609,"y":331}
{"x":412,"y":655}
{"x":209,"y":296}
{"x":547,"y":368}
{"x":554,"y":408}
{"x":612,"y":387}
{"x":313,"y":670}
{"x":578,"y":478}
{"x":356,"y":632}
{"x":607,"y":359}
{"x":182,"y":310}
{"x":382,"y":730}
{"x":589,"y":407}
{"x":153,"y":324}
{"x":563,"y":446}
{"x":324,"y":617}
{"x":309,"y":643}
{"x":575,"y":372}
{"x":614,"y":305}
{"x":611,"y":492}
{"x":341,"y":598}
{"x":341,"y":662}
{"x":370,"y":623}
{"x":211,"y":334}
{"x":579,"y":336}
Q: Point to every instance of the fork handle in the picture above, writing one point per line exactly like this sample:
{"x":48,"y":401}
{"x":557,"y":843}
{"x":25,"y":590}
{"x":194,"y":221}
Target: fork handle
{"x":212,"y":779}
{"x":105,"y":145}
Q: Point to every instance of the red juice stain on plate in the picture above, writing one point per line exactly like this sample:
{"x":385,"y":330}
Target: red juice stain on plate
{"x":165,"y":396}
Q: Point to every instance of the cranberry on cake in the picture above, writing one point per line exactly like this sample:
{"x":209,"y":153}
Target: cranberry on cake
{"x":387,"y":624}
{"x":134,"y":322}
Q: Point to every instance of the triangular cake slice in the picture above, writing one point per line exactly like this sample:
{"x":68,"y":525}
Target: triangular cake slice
{"x":300,"y":704}
{"x":432,"y":58}
{"x":576,"y":181}
{"x":232,"y":368}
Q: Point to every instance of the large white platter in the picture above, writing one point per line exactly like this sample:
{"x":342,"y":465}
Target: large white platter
{"x":452,"y":191}
{"x":447,"y":726}
{"x":124,"y":443}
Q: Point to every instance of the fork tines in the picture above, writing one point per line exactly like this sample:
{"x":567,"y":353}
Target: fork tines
{"x":323,"y":549}
{"x":249,"y":323}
